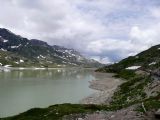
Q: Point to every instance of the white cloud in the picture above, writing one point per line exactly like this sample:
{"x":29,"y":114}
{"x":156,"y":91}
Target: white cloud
{"x":146,"y":37}
{"x":155,"y":12}
{"x":107,"y":29}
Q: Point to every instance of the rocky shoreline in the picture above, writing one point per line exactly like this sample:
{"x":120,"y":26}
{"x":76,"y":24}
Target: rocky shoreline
{"x":105,"y":85}
{"x":105,"y":90}
{"x":123,"y":114}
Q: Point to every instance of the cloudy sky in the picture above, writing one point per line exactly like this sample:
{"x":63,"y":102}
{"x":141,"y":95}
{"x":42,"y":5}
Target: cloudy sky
{"x":106,"y":30}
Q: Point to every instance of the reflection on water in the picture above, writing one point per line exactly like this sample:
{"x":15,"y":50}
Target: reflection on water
{"x":21,"y":90}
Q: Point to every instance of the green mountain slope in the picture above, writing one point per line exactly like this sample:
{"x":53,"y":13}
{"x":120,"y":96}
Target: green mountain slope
{"x":38,"y":53}
{"x":148,"y":60}
{"x":141,"y":88}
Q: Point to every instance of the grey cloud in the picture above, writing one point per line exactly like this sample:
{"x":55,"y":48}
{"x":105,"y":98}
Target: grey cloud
{"x":108,"y":30}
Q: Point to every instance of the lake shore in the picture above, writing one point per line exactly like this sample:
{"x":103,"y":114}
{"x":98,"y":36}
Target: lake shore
{"x":104,"y":85}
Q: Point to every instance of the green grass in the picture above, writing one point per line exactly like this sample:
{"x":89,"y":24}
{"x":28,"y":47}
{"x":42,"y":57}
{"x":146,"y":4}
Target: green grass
{"x":125,"y":74}
{"x":56,"y":112}
{"x":152,"y":103}
{"x":130,"y":92}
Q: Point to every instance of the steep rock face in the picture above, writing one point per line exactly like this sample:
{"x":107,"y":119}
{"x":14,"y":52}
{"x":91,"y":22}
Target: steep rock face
{"x":39,"y":53}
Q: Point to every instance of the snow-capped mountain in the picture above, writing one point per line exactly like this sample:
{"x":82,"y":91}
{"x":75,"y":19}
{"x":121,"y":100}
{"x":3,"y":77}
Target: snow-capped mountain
{"x":18,"y":51}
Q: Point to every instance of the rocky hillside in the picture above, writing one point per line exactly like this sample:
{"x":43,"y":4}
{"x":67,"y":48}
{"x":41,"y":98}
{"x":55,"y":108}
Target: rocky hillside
{"x":141,"y":88}
{"x":17,"y":51}
{"x":146,"y":60}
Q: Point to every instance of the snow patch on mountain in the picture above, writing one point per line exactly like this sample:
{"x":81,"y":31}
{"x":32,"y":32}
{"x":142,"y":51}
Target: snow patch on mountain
{"x":133,"y":67}
{"x":21,"y":61}
{"x":15,"y":46}
{"x":3,"y":49}
{"x":153,"y":63}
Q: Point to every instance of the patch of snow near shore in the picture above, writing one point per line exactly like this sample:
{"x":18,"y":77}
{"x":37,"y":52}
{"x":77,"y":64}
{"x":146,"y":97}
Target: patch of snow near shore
{"x":21,"y":68}
{"x":39,"y":68}
{"x":153,"y":63}
{"x":21,"y":61}
{"x":133,"y":67}
{"x":17,"y":62}
{"x":0,"y":64}
{"x":3,"y":49}
{"x":7,"y":66}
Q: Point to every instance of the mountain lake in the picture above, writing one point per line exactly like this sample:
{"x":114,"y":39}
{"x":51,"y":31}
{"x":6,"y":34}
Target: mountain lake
{"x":23,"y":89}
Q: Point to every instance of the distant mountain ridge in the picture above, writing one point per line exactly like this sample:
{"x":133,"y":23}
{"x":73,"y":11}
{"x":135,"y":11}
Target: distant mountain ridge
{"x":22,"y":52}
